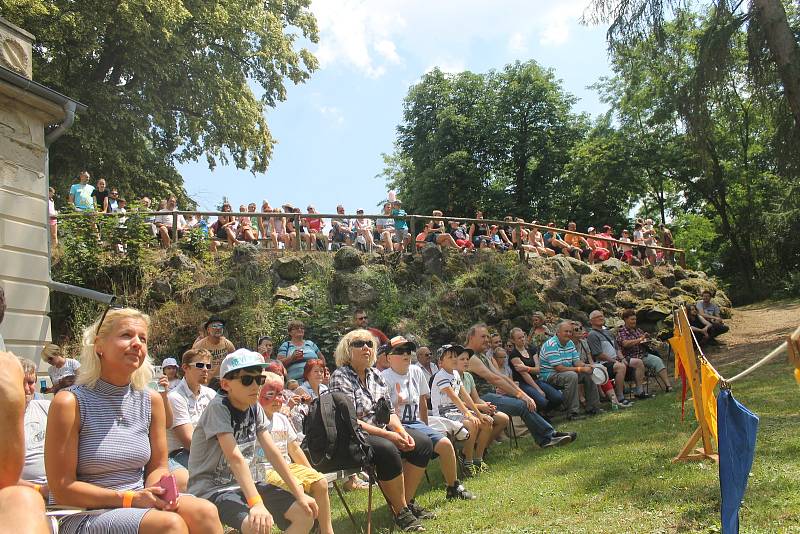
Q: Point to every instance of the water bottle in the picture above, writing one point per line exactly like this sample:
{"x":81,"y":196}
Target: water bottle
{"x":203,"y":226}
{"x":42,"y":385}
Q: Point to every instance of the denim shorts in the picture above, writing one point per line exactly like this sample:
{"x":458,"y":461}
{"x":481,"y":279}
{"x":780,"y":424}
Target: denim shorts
{"x":419,"y":426}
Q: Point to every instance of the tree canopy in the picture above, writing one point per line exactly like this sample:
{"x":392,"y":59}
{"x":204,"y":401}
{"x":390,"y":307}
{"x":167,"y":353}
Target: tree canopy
{"x":165,"y":81}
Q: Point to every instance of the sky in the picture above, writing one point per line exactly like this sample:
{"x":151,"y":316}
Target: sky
{"x":332,"y":130}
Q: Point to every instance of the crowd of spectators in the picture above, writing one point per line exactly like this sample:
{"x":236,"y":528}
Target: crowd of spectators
{"x":227,"y":423}
{"x":275,"y":228}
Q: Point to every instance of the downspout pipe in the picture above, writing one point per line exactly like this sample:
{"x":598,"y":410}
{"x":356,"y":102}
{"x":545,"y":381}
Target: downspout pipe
{"x":69,"y":118}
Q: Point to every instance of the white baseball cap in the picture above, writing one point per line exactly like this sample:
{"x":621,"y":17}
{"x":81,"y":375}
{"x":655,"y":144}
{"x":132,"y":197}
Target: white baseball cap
{"x":169,"y":362}
{"x":239,"y":359}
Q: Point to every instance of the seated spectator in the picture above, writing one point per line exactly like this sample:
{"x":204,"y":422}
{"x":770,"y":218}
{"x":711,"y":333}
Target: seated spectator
{"x":409,"y":390}
{"x":363,"y":230}
{"x":479,"y":233}
{"x":33,"y":473}
{"x":315,"y":378}
{"x":400,"y":455}
{"x":401,"y":235}
{"x":265,"y":347}
{"x":709,"y":311}
{"x":384,"y":229}
{"x":80,"y":194}
{"x":215,"y":343}
{"x":164,"y":223}
{"x":63,"y":371}
{"x":21,"y":508}
{"x":539,"y":333}
{"x":223,"y":451}
{"x":626,"y":250}
{"x":634,"y":342}
{"x":361,"y":320}
{"x":100,"y":195}
{"x":149,"y":220}
{"x":667,"y":241}
{"x":460,"y":236}
{"x":499,"y":419}
{"x":536,"y":243}
{"x":426,"y":363}
{"x":562,"y":367}
{"x":106,"y":446}
{"x":605,"y":350}
{"x":584,"y":250}
{"x":508,"y":232}
{"x":450,"y":400}
{"x":638,"y":238}
{"x":382,"y":358}
{"x":187,"y":400}
{"x":605,"y":390}
{"x":705,"y":331}
{"x":287,"y":441}
{"x":341,"y":232}
{"x":437,"y":233}
{"x":314,"y":237}
{"x":553,"y":241}
{"x":496,"y":240}
{"x":245,"y":230}
{"x":296,"y":351}
{"x":500,"y":357}
{"x":608,"y":234}
{"x":170,"y":368}
{"x":525,"y":373}
{"x":224,"y":228}
{"x":514,"y":401}
{"x":281,"y":229}
{"x":267,"y":230}
{"x":600,"y":250}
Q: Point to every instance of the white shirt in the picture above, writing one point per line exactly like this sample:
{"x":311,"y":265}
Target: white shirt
{"x":186,"y":409}
{"x":440,"y":401}
{"x":282,"y":433}
{"x":166,"y":220}
{"x":70,"y":368}
{"x":405,"y":391}
{"x":427,"y":371}
{"x":35,"y":427}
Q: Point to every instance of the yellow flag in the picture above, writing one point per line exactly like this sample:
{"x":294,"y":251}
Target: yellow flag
{"x":709,"y":380}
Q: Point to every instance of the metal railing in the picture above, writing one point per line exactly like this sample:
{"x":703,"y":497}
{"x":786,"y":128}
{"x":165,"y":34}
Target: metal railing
{"x":412,"y":221}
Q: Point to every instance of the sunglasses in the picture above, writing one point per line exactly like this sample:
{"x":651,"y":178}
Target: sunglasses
{"x":247,"y":380}
{"x":201,"y":365}
{"x":111,"y":305}
{"x":401,"y":352}
{"x":360,"y":343}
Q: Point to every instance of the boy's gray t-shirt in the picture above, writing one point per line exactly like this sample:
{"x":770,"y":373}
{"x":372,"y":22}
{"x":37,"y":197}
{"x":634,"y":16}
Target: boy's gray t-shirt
{"x":208,"y":467}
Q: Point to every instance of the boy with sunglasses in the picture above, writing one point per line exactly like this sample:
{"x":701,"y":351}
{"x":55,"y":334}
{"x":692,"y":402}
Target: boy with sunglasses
{"x":273,"y":398}
{"x":188,"y":400}
{"x":224,"y":447}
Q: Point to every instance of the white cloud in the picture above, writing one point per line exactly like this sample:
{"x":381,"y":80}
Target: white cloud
{"x":333,"y":113}
{"x":374,"y":36}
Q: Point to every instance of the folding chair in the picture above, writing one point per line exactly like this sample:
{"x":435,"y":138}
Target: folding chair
{"x":512,"y":438}
{"x":55,"y":514}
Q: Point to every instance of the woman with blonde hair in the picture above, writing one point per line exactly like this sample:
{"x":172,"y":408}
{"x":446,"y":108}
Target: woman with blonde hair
{"x":106,"y":446}
{"x":400,"y":454}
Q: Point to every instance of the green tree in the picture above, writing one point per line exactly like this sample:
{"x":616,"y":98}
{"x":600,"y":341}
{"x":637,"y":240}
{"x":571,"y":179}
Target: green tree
{"x":165,"y":81}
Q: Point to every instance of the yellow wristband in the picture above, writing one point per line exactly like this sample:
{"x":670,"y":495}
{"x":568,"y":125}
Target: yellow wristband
{"x":127,"y":499}
{"x":37,"y":487}
{"x":254,"y":501}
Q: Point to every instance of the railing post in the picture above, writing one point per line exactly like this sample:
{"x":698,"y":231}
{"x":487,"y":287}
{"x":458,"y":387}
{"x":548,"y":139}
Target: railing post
{"x":297,"y":231}
{"x":518,"y":242}
{"x":682,"y":257}
{"x":174,"y":227}
{"x":412,"y":229}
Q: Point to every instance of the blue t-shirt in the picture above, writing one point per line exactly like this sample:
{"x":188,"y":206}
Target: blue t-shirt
{"x":400,"y":224}
{"x":82,"y":193}
{"x":310,"y":350}
{"x":553,"y":353}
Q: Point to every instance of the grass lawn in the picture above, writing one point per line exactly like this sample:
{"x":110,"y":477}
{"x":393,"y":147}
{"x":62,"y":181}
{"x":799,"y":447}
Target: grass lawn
{"x":618,"y":476}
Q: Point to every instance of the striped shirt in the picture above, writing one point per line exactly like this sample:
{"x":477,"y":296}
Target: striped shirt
{"x":553,"y":353}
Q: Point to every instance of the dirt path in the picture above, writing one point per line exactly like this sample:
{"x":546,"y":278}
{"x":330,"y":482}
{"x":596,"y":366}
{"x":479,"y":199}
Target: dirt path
{"x":756,"y":329}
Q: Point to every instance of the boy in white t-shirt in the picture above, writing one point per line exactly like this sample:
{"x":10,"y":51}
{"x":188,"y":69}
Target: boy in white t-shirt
{"x":449,"y":399}
{"x":409,"y":390}
{"x":287,"y":441}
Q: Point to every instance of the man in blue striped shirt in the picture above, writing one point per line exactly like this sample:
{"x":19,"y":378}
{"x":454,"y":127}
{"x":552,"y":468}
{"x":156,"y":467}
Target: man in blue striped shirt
{"x":561,"y":366}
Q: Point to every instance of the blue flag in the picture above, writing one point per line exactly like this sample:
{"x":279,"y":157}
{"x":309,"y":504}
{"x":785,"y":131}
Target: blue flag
{"x":737,"y":428}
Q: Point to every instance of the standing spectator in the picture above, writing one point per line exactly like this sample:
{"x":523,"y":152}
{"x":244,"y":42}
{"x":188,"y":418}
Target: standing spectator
{"x":401,"y":234}
{"x":80,"y":194}
{"x":625,"y":249}
{"x":224,"y":448}
{"x":361,"y":320}
{"x":217,"y":344}
{"x":106,"y":446}
{"x":401,"y":455}
{"x":63,"y":371}
{"x":514,"y":401}
{"x":188,"y":400}
{"x":21,"y":508}
{"x":562,"y":367}
{"x":668,"y":241}
{"x":315,"y":237}
{"x":33,"y":473}
{"x":425,"y":362}
{"x":296,"y":351}
{"x":52,"y":217}
{"x":709,"y":311}
{"x":634,"y":342}
{"x":113,"y":200}
{"x":101,"y":196}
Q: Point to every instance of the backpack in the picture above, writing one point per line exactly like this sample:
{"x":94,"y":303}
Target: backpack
{"x":333,"y":439}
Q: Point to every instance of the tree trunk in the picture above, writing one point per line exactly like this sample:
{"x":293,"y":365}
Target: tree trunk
{"x":784,"y":48}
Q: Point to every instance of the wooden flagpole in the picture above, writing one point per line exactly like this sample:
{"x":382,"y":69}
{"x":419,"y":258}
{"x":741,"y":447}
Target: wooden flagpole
{"x":702,"y":433}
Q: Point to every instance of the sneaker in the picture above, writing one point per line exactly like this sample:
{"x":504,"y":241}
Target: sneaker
{"x":420,"y":512}
{"x":573,"y":436}
{"x":482,"y":467}
{"x":643,"y":396}
{"x":470,"y":470}
{"x":575,"y":417}
{"x":406,"y":521}
{"x":595,"y":411}
{"x":625,"y":403}
{"x":457,"y":491}
{"x":557,"y":440}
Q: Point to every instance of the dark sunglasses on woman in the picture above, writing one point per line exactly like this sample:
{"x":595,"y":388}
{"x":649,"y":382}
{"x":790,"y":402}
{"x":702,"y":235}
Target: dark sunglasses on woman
{"x":358,"y":343}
